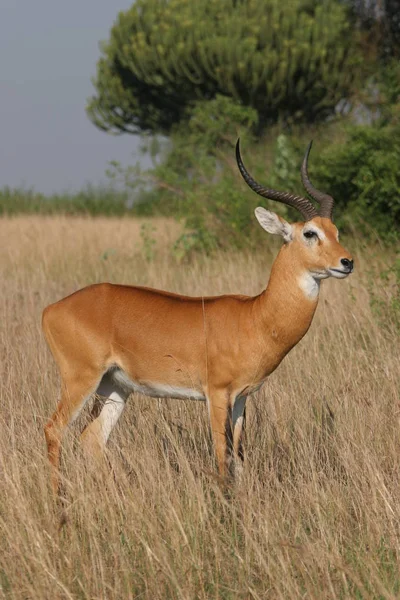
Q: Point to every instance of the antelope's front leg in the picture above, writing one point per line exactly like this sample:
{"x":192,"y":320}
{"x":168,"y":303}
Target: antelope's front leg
{"x":221,"y":428}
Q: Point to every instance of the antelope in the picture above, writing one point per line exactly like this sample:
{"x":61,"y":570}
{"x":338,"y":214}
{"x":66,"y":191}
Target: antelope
{"x":112,"y":340}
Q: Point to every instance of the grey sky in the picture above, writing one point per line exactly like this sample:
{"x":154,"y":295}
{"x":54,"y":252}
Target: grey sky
{"x":48,"y":54}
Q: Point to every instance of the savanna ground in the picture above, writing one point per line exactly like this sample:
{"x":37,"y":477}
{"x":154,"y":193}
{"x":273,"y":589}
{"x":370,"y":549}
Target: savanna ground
{"x":317,"y":513}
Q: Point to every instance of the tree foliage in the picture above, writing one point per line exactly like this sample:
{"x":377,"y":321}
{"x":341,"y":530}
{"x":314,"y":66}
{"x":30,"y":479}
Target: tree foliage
{"x":284,"y":59}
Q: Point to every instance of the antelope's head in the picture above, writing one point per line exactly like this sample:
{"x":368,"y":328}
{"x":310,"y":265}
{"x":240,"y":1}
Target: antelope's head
{"x":314,"y":242}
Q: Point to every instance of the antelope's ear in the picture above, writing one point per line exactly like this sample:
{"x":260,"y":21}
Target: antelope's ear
{"x":274,"y":223}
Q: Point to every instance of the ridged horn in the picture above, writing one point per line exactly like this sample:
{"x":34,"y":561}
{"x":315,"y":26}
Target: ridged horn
{"x":325,"y":201}
{"x":302,"y":204}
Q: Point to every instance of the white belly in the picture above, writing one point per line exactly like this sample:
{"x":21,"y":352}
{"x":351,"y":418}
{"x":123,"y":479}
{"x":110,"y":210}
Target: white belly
{"x":153,"y":389}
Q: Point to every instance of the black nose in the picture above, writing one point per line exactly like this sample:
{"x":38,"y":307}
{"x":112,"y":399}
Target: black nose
{"x":348,"y":264}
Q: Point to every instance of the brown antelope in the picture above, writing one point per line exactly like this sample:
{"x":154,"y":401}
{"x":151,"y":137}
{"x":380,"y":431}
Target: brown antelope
{"x":112,"y":340}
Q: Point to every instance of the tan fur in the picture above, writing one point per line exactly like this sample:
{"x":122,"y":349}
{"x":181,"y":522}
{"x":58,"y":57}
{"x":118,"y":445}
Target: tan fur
{"x":223,"y":347}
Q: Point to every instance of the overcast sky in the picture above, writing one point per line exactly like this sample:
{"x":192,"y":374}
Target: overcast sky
{"x":48,"y":54}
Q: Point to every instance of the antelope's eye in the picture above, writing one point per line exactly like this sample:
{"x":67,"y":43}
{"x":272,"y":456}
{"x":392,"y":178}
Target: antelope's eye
{"x":310,"y":234}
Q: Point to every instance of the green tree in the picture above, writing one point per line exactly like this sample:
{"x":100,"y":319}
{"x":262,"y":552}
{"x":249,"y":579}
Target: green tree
{"x":284,"y":59}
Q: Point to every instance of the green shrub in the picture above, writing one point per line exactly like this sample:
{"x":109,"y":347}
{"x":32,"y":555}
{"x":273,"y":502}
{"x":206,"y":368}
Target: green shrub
{"x":363,"y":175}
{"x":195,"y":176}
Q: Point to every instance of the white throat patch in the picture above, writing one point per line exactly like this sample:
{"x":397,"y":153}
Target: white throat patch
{"x":309,"y":285}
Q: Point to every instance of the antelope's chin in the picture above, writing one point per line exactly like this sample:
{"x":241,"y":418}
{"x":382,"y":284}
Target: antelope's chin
{"x":320,"y":274}
{"x":339,"y":273}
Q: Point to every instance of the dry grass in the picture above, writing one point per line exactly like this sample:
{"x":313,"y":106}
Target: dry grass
{"x":317,"y":515}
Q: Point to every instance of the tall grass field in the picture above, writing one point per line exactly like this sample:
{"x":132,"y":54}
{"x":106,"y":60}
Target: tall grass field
{"x":317,"y":513}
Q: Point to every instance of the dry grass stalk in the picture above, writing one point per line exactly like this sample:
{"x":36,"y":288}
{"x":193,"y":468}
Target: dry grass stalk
{"x":317,"y":514}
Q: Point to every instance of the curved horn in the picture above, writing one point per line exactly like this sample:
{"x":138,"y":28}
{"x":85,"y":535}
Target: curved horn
{"x":324,"y":200}
{"x":302,"y":204}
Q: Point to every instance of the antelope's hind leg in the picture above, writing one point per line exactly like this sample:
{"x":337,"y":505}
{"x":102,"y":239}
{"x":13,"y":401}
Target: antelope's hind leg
{"x":95,"y":436}
{"x":76,"y":391}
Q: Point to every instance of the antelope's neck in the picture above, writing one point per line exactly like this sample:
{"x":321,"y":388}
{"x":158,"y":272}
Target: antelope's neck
{"x":288,"y":304}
